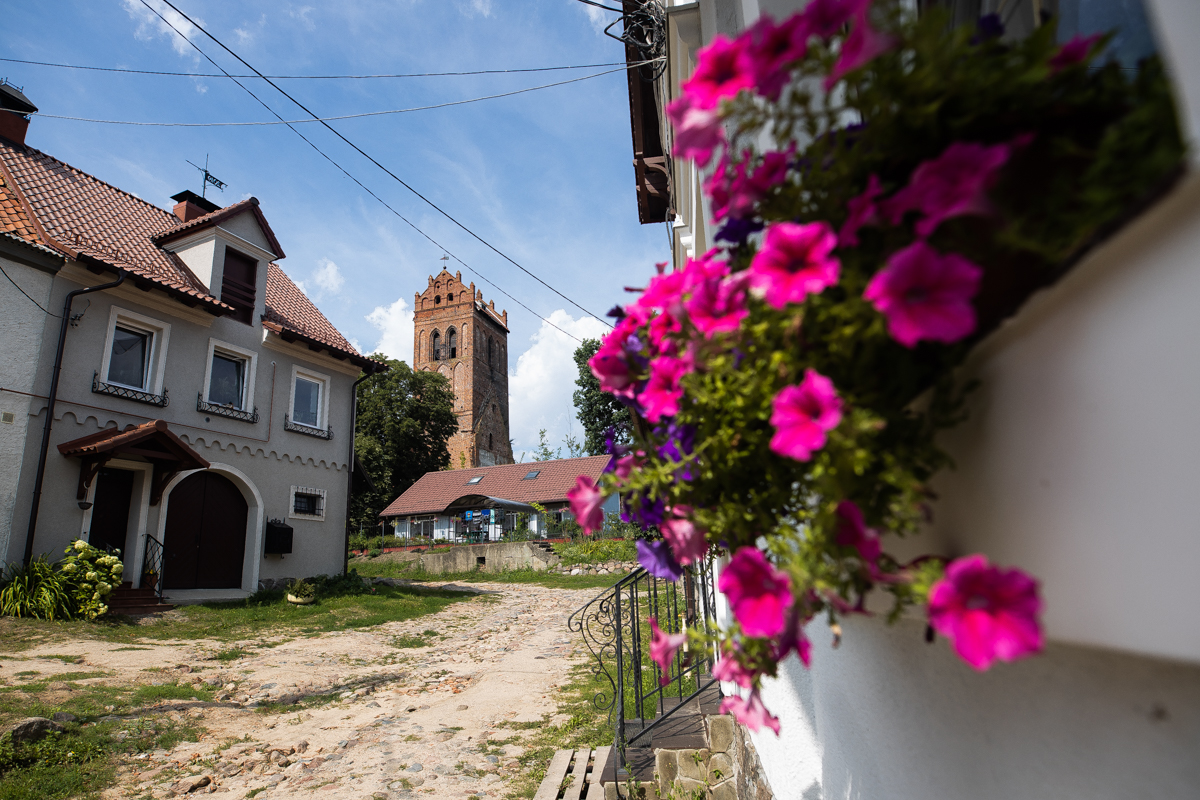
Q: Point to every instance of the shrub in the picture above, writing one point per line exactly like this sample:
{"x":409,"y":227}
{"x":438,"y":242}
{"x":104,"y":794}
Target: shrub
{"x":90,"y":575}
{"x":595,"y":551}
{"x":36,"y":591}
{"x":301,"y":588}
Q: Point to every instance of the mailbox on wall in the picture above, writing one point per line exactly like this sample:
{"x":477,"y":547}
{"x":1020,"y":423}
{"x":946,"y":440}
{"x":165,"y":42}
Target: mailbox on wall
{"x":278,"y":540}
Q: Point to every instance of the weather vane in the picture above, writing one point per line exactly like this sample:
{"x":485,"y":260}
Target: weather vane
{"x":208,"y":177}
{"x":444,"y":259}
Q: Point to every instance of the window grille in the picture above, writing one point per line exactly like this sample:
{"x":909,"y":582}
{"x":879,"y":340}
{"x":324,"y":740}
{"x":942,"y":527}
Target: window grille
{"x":310,"y":505}
{"x":100,"y":387}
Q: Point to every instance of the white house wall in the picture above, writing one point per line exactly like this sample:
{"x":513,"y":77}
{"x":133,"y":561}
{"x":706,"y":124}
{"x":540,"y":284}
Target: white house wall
{"x":271,"y":458}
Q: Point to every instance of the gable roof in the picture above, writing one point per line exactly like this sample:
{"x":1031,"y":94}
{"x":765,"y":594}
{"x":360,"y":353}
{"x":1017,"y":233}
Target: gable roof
{"x":434,"y":491}
{"x":217,"y":217}
{"x":50,"y":203}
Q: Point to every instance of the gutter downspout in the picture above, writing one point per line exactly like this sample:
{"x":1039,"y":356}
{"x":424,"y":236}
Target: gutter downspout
{"x":350,"y":471}
{"x":53,"y":397}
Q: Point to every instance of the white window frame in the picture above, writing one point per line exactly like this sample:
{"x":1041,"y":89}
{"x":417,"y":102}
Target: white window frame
{"x":156,"y":360}
{"x":322,"y":406}
{"x":217,"y":347}
{"x":306,"y":490}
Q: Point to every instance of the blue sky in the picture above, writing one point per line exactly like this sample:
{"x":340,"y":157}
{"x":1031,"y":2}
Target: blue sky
{"x":545,"y":176}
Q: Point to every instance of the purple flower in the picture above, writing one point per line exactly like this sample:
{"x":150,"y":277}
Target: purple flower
{"x":952,"y":185}
{"x":737,"y":231}
{"x":647,"y":513}
{"x":989,"y":26}
{"x":826,"y":17}
{"x":1076,"y":51}
{"x":658,"y":559}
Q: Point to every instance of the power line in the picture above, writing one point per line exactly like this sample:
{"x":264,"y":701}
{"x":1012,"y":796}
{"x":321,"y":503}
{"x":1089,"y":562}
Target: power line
{"x":311,"y":77}
{"x":329,"y":119}
{"x":35,"y":302}
{"x":365,"y":155}
{"x":361,"y":184}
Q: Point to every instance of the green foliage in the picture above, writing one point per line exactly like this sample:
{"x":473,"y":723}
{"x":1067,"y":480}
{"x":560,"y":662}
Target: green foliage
{"x":301,"y":588}
{"x":596,"y":410}
{"x":91,"y":574}
{"x":543,"y":452}
{"x":596,"y":551}
{"x":1103,"y":142}
{"x":405,"y":418}
{"x":37,"y":591}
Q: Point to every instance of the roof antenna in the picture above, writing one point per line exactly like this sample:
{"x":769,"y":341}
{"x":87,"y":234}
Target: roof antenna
{"x":208,"y":177}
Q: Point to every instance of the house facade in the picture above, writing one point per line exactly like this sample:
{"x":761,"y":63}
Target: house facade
{"x":1074,"y":465}
{"x":202,"y":399}
{"x":458,"y":335}
{"x":484,"y":503}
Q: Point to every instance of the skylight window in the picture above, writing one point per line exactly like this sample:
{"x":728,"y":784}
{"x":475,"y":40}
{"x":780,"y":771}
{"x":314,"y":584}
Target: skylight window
{"x":476,"y":479}
{"x":533,"y":473}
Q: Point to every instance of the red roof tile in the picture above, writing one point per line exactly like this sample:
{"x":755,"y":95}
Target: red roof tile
{"x":85,"y":216}
{"x":433,"y":491}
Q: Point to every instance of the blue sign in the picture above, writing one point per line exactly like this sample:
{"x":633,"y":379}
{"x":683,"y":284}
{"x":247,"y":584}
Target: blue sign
{"x":468,"y":515}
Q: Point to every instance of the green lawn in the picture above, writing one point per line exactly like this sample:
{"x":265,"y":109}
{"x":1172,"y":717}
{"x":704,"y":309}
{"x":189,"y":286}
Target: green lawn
{"x":383,"y":567}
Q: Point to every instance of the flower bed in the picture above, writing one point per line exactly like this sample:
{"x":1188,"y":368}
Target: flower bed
{"x":787,"y":387}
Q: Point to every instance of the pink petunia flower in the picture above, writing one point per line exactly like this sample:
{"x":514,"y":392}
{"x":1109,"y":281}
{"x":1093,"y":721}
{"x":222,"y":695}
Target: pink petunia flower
{"x":734,"y":192}
{"x":586,"y":500}
{"x":729,"y":670}
{"x":862,"y":46}
{"x":687,"y":541}
{"x":722,"y":70}
{"x":718,"y":305}
{"x":925,"y":295}
{"x":758,"y":594}
{"x":698,"y":131}
{"x":803,"y":415}
{"x":794,"y":262}
{"x":773,"y":49}
{"x":663,"y":647}
{"x":952,"y":185}
{"x":986,"y":612}
{"x":851,"y":532}
{"x":1074,"y":52}
{"x":614,"y":364}
{"x":825,"y":18}
{"x":625,"y":465}
{"x":793,"y":637}
{"x":750,"y":711}
{"x":662,"y":394}
{"x":863,"y":212}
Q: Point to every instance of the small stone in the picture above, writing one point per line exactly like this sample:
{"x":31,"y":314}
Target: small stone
{"x":720,"y":733}
{"x":301,"y":746}
{"x":190,"y":784}
{"x":462,"y":708}
{"x":33,"y":729}
{"x":63,"y":716}
{"x":415,"y":767}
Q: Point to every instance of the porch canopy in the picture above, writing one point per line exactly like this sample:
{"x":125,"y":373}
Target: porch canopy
{"x":151,"y":441}
{"x":470,"y":502}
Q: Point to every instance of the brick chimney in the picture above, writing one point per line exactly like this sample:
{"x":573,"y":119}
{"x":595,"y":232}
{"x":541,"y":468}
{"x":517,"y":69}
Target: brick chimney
{"x":15,"y":109}
{"x":189,"y":206}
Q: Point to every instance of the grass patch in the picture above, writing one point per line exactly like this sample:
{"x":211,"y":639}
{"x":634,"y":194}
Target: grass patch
{"x":410,"y":641}
{"x":153,"y":695}
{"x":125,"y":649}
{"x":232,"y":654}
{"x":384,"y":567}
{"x":263,"y":614}
{"x":65,"y":659}
{"x":596,"y":551}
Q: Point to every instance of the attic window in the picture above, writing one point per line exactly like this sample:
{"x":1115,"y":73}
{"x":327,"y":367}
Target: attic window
{"x":533,"y":473}
{"x":476,"y":479}
{"x":449,"y":297}
{"x":437,"y":299}
{"x":238,"y":285}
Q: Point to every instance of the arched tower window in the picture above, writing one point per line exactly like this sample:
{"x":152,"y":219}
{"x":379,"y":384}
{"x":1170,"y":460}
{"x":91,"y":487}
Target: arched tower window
{"x":435,"y":346}
{"x":449,"y":297}
{"x":452,"y":342}
{"x":491,"y":359}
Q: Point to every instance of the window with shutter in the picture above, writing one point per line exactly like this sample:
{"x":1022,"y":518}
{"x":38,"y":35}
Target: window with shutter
{"x":238,"y":285}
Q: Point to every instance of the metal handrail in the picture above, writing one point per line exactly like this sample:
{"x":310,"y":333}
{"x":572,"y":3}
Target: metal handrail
{"x":152,"y":561}
{"x":615,"y":628}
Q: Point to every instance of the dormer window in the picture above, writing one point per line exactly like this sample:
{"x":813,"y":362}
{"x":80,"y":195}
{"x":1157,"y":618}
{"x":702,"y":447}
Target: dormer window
{"x":238,"y":285}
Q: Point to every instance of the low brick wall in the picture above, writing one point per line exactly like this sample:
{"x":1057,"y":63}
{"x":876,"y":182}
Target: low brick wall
{"x":494,"y":557}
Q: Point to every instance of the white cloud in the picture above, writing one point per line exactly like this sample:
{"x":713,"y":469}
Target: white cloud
{"x":395,"y":326}
{"x":328,"y":277}
{"x":540,"y":388}
{"x":598,"y":17}
{"x":481,"y":7}
{"x":150,"y":25}
{"x":304,"y":14}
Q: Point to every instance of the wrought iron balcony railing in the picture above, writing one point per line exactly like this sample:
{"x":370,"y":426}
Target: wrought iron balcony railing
{"x":307,"y":430}
{"x":226,"y":411}
{"x":100,"y":387}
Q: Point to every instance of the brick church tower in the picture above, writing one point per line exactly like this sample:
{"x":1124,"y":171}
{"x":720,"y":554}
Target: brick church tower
{"x":458,"y":335}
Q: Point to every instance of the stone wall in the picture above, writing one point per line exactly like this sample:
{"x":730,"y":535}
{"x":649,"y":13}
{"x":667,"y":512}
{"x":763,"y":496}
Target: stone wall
{"x":728,"y":769}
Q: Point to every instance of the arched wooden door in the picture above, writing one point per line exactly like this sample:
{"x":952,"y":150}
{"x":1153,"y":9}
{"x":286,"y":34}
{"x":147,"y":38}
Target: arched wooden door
{"x":205,"y":538}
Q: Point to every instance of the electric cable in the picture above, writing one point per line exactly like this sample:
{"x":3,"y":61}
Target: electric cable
{"x":370,"y":158}
{"x":311,"y":77}
{"x":22,"y":291}
{"x":329,"y":119}
{"x":363,"y":186}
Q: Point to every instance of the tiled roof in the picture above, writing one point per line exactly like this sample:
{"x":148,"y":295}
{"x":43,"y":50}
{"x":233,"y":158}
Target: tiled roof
{"x":85,"y":216}
{"x":436,"y":490}
{"x":215,"y":218}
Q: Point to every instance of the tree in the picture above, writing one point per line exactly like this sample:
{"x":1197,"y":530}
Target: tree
{"x":405,"y":419}
{"x":597,"y":410}
{"x":543,"y":452}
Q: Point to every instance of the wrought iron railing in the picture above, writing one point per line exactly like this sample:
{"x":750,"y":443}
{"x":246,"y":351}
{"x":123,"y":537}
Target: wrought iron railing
{"x":152,"y":565}
{"x":225,"y":411}
{"x":615,"y":627}
{"x":296,"y":427}
{"x":100,"y":387}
